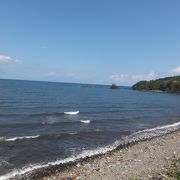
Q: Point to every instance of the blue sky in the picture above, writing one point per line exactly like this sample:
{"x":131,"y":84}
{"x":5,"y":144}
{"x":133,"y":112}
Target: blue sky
{"x":89,"y":41}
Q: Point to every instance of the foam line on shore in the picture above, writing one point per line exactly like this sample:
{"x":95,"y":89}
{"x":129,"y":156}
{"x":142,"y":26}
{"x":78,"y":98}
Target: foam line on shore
{"x":162,"y":127}
{"x":84,"y":154}
{"x":135,"y":137}
{"x":150,"y":133}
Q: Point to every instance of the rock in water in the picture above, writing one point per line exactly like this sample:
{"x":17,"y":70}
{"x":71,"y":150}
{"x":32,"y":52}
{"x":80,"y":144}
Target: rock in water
{"x":114,"y":86}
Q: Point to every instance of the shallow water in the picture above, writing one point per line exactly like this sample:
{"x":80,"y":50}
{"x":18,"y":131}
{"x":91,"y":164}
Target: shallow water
{"x":35,"y":130}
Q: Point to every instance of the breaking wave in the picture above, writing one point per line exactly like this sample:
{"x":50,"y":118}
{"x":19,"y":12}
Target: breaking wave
{"x":72,"y":113}
{"x":18,"y":138}
{"x":45,"y":114}
{"x":85,"y":121}
{"x":45,"y":123}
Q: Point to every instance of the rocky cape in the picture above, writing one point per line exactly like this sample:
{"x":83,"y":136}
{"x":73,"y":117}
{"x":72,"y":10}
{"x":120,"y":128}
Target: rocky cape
{"x":168,"y":84}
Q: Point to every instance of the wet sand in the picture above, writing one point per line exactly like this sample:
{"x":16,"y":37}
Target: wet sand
{"x":143,"y":160}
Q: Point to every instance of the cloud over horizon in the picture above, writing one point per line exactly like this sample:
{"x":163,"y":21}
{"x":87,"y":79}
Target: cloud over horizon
{"x":175,"y":71}
{"x":8,"y":59}
{"x":133,"y":78}
{"x":119,"y":77}
{"x":139,"y":77}
{"x":57,"y":74}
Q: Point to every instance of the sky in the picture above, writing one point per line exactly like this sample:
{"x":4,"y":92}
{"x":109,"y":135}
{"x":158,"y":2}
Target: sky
{"x":89,"y":41}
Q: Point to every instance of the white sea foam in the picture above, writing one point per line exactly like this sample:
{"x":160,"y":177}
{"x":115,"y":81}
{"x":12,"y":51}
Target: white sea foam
{"x":72,"y":113}
{"x":72,"y":133}
{"x":150,"y":133}
{"x":140,"y":135}
{"x":85,"y":121}
{"x":3,"y":162}
{"x":162,"y":127}
{"x":18,"y":138}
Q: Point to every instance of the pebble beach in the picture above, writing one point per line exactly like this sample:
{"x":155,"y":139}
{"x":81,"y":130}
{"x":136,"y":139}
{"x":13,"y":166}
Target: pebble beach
{"x":150,"y":159}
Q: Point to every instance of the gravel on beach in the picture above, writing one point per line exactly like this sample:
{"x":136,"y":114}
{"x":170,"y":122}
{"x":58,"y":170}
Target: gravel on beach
{"x":150,"y":159}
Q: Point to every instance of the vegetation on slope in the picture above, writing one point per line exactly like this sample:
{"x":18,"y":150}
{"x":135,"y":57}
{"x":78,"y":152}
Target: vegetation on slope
{"x":168,"y":84}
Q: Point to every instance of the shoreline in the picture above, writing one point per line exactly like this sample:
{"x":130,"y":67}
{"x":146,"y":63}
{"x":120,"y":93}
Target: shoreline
{"x":142,"y":159}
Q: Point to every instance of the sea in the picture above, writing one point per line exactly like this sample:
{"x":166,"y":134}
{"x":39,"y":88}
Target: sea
{"x":46,"y":124}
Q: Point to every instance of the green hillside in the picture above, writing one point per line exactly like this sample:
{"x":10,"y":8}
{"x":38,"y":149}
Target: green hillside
{"x":168,"y":84}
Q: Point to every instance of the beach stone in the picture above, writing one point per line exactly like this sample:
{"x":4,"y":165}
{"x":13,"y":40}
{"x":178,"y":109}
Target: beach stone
{"x":78,"y":165}
{"x":98,"y":169}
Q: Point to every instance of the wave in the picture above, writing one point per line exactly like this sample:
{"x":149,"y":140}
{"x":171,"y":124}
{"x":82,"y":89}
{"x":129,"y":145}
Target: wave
{"x":3,"y":162}
{"x":151,"y":133}
{"x":53,"y":123}
{"x":85,"y":121}
{"x":53,"y":136}
{"x":37,"y":124}
{"x":135,"y":137}
{"x":72,"y":113}
{"x":73,"y":133}
{"x":76,"y":134}
{"x":44,"y":114}
{"x":161,"y":127}
{"x":47,"y":114}
{"x":18,"y":138}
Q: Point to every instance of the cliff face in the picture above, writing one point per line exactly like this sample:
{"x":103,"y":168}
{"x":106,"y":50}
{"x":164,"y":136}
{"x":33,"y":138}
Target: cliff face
{"x":169,"y":84}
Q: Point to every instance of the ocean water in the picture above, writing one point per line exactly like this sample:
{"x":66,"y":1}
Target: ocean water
{"x":35,"y":131}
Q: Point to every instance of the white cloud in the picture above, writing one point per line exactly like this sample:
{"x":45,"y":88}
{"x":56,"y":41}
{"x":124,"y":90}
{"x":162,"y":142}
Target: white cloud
{"x":175,"y":71}
{"x":140,"y":77}
{"x":52,"y":74}
{"x":120,"y":77}
{"x":132,"y":78}
{"x":8,"y":59}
